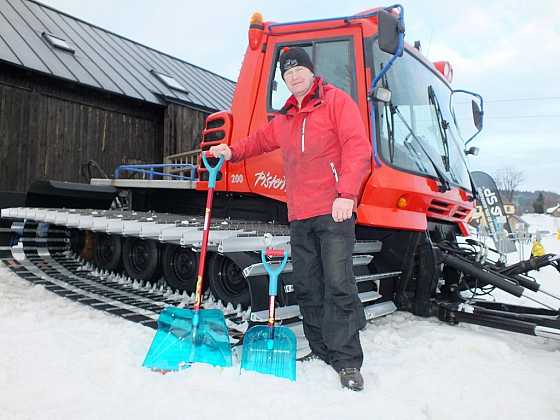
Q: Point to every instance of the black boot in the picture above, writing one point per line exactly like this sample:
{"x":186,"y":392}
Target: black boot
{"x":351,"y":378}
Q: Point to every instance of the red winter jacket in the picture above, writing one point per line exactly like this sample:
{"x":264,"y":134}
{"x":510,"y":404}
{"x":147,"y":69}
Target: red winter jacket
{"x":325,"y":149}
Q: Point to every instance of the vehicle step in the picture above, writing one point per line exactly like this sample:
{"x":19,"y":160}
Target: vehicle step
{"x":292,"y":311}
{"x":379,"y":309}
{"x":379,"y":276}
{"x":259,"y":270}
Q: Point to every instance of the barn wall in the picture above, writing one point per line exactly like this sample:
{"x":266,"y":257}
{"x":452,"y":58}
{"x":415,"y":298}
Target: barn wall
{"x":49,"y":128}
{"x":183,"y":128}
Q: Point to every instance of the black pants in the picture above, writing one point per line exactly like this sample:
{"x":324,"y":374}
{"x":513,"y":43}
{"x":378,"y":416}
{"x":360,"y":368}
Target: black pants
{"x":326,"y":290}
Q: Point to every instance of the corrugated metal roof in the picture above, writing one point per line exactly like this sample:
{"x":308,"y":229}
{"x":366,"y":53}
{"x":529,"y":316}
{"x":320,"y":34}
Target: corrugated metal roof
{"x":102,"y":59}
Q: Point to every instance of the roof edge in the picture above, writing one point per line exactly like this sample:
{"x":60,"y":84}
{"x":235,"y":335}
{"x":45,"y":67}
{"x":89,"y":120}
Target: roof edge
{"x":130,"y":40}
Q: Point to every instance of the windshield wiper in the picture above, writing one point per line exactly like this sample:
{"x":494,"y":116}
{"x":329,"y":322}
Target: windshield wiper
{"x":390,"y":119}
{"x":443,"y":181}
{"x":443,"y":125}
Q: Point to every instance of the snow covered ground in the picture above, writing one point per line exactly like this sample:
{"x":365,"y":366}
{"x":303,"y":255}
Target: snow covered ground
{"x":63,"y":360}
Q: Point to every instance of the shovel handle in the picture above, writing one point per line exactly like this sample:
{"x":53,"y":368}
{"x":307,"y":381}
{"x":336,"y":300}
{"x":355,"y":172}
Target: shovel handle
{"x":273,"y":273}
{"x":212,"y":170}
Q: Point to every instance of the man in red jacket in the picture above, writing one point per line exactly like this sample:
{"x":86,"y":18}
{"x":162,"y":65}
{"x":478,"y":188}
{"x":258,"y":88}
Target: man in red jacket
{"x":326,"y":156}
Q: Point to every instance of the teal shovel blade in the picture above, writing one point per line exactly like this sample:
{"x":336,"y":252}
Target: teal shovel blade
{"x":182,"y":339}
{"x":270,"y":352}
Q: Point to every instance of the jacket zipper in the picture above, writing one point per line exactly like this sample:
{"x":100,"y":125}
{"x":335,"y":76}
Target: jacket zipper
{"x":333,"y":168}
{"x":303,"y":136}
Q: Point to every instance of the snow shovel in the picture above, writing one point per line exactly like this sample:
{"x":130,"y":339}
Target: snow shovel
{"x":186,"y":336}
{"x":271,"y":349}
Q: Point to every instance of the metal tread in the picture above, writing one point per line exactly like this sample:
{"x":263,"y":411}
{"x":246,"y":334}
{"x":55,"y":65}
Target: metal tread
{"x":109,"y":293}
{"x":42,"y":256}
{"x":226,"y":235}
{"x":292,"y":311}
{"x":66,"y":276}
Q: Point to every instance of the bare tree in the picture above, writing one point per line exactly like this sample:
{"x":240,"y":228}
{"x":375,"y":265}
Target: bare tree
{"x":507,"y":180}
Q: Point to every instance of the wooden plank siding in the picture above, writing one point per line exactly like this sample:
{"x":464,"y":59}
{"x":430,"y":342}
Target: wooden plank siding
{"x":182,"y":129}
{"x":50,"y":128}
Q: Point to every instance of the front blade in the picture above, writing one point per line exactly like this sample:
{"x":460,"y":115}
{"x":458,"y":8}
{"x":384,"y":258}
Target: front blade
{"x":178,"y":342}
{"x":271,"y":354}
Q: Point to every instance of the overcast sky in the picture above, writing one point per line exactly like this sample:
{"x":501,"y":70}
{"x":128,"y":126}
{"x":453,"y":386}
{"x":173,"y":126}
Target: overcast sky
{"x":508,"y":51}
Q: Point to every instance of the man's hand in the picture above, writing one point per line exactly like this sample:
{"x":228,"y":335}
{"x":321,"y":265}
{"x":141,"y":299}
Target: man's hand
{"x":221,"y":150}
{"x":342,"y":209}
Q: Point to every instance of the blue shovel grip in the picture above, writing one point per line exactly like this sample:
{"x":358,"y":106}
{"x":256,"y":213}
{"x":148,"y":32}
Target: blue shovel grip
{"x":273,"y":273}
{"x":212,"y":170}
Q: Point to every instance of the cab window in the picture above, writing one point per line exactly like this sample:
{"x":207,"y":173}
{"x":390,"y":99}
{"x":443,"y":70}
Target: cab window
{"x":333,"y":60}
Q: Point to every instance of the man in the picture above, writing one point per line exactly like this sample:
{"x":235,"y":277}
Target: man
{"x":326,"y":156}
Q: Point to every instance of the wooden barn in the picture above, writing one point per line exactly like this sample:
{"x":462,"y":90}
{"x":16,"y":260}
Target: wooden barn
{"x":71,"y":92}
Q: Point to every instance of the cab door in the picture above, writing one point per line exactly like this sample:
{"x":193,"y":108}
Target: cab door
{"x":337,"y":56}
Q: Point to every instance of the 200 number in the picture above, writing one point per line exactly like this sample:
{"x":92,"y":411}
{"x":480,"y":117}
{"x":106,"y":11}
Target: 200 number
{"x":237,"y":179}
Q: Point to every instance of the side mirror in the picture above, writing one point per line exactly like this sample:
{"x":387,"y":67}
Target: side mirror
{"x":390,"y":29}
{"x":460,"y":106}
{"x":477,"y":115}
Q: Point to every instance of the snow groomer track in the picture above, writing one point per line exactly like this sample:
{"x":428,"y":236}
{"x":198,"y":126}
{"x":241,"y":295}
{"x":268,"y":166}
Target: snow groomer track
{"x":47,"y":261}
{"x":43,"y":251}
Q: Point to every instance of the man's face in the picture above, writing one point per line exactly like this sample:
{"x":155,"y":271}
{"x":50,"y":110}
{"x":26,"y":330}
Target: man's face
{"x":298,"y":80}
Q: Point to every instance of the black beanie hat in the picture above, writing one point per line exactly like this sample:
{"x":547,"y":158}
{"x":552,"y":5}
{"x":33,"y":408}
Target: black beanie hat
{"x":293,"y":57}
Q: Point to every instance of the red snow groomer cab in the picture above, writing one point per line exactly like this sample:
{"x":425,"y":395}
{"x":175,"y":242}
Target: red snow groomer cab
{"x":418,"y":191}
{"x":418,"y":170}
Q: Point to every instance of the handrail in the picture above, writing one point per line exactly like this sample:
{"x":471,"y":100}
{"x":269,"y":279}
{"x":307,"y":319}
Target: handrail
{"x":150,"y":170}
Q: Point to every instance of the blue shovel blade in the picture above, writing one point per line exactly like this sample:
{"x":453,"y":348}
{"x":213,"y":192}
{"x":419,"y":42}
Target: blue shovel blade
{"x":178,"y":342}
{"x":271,"y":354}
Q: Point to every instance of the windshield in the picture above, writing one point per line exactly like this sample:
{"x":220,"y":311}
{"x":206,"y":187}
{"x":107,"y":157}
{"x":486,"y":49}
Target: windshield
{"x":422,"y":100}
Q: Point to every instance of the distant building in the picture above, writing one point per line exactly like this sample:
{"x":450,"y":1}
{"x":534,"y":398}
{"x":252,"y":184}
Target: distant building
{"x":71,"y":91}
{"x":477,"y":217}
{"x":509,"y":209}
{"x":517,"y":223}
{"x":554,"y":211}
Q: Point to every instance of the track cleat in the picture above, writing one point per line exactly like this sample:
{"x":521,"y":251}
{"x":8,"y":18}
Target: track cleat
{"x":351,"y":378}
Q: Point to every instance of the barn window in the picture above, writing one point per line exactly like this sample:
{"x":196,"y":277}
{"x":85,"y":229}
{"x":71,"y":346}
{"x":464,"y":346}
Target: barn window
{"x":170,"y":81}
{"x":58,"y":42}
